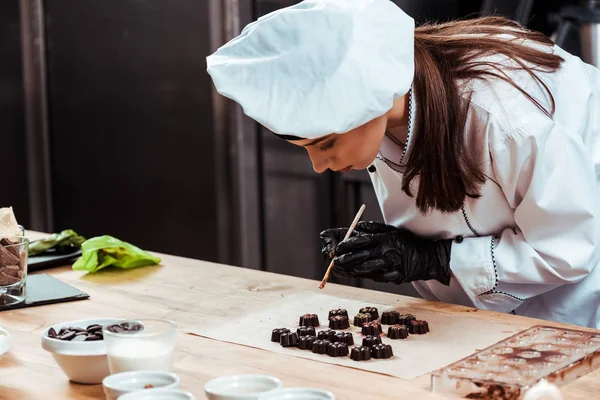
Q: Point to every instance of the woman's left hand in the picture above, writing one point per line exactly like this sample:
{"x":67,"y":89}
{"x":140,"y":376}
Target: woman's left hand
{"x":385,"y":253}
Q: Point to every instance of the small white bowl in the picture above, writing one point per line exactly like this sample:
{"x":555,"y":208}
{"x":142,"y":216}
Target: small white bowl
{"x":4,"y":342}
{"x":158,"y":394}
{"x":240,"y":387}
{"x":116,"y":385}
{"x":82,"y":362}
{"x":298,"y":393}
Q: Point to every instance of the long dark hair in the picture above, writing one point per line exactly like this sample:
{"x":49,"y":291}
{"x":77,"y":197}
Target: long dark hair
{"x":445,"y":53}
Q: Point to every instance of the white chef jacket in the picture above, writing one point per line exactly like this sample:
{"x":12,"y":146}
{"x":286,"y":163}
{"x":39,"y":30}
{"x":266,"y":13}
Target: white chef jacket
{"x":531,"y":240}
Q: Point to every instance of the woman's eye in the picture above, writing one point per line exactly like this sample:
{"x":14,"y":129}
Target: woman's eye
{"x":327,"y":146}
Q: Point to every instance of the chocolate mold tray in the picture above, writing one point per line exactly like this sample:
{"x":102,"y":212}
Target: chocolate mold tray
{"x":507,"y":369}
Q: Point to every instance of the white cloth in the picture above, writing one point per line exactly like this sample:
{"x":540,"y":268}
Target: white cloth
{"x":318,"y":67}
{"x":532,"y":240}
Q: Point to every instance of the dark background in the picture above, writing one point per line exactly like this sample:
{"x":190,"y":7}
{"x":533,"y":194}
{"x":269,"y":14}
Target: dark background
{"x":141,"y":148}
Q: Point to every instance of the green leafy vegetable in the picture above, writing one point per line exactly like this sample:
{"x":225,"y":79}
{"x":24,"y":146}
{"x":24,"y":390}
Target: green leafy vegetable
{"x":62,"y":240}
{"x":104,"y":251}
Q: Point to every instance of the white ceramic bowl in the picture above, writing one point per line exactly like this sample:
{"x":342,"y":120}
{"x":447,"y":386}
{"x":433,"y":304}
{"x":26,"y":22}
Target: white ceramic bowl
{"x":298,"y":393}
{"x":158,"y":394}
{"x":82,"y":362}
{"x":4,"y":342}
{"x":240,"y":387}
{"x":116,"y":385}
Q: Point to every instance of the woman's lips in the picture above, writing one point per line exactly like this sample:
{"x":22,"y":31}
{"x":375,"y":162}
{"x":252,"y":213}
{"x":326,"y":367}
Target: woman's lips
{"x":347,"y":169}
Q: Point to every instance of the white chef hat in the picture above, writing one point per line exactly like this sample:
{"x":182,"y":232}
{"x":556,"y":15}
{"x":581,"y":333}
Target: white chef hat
{"x":318,"y":67}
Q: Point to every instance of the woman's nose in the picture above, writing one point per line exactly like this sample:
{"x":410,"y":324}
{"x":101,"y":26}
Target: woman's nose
{"x":320,"y":165}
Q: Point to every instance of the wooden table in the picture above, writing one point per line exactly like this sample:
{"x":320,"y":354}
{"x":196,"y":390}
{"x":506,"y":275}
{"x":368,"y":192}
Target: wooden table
{"x":194,"y":292}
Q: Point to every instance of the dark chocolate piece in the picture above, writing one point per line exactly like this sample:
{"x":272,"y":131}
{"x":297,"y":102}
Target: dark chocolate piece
{"x":306,"y":331}
{"x":344,"y":337}
{"x":382,"y":351}
{"x":309,"y":320}
{"x":328,"y":334}
{"x":339,"y":322}
{"x":372,"y":328}
{"x":289,"y":339}
{"x":370,"y":310}
{"x":306,"y":342}
{"x":360,"y":319}
{"x":417,"y":327}
{"x":276,"y":334}
{"x":338,"y":312}
{"x":92,"y":338}
{"x":389,"y":317}
{"x":320,"y":346}
{"x":52,"y":333}
{"x":361,"y":353}
{"x":337,"y":350}
{"x":398,"y":332}
{"x":80,"y":338}
{"x":125,"y":327}
{"x":68,"y":335}
{"x":404,"y":319}
{"x":369,"y":341}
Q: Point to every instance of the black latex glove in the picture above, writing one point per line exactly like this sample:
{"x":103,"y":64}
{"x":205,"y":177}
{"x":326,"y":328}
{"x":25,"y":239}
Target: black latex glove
{"x":387,"y":254}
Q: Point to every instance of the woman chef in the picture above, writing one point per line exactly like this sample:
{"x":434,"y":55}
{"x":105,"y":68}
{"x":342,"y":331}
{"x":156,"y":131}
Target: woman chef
{"x":481,"y":138}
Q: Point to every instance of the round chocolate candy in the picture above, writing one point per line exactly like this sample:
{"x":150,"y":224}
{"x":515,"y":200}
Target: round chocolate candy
{"x":372,"y":328}
{"x":397,"y":332}
{"x":389,"y":317}
{"x":309,"y":320}
{"x":320,"y":346}
{"x":276,"y":334}
{"x":306,"y":331}
{"x":306,"y":342}
{"x":338,"y":312}
{"x":337,"y":350}
{"x":382,"y":351}
{"x":360,"y":319}
{"x":361,"y":353}
{"x":289,"y":339}
{"x":417,"y":327}
{"x":404,"y":319}
{"x":329,"y":334}
{"x":339,"y":322}
{"x":370,"y":310}
{"x":344,"y":337}
{"x":370,"y":341}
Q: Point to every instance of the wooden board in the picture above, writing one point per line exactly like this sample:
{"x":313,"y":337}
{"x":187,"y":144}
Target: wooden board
{"x":195,"y":293}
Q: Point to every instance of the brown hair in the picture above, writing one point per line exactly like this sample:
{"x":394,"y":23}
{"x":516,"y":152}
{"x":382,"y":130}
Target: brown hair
{"x":445,"y":53}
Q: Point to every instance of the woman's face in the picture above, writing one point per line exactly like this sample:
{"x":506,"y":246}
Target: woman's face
{"x":355,"y":149}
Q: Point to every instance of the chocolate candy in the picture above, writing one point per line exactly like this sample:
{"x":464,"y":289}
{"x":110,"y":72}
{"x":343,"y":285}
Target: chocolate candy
{"x":382,"y":351}
{"x":289,"y":339}
{"x":404,"y":319}
{"x":309,"y":320}
{"x":75,"y":334}
{"x":125,"y":327}
{"x":339,"y":322}
{"x":328,"y":334}
{"x":372,"y":328}
{"x":306,"y":331}
{"x":369,"y":341}
{"x":418,"y":327}
{"x":398,"y":332}
{"x":370,"y":310}
{"x":360,"y":319}
{"x":361,"y":353}
{"x":320,"y":346}
{"x":306,"y":342}
{"x":338,"y":312}
{"x":344,"y":337}
{"x":389,"y":317}
{"x":276,"y":334}
{"x":337,"y":350}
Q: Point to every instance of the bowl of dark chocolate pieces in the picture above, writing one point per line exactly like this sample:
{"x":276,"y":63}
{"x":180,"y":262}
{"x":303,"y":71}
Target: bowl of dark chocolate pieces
{"x":78,"y":347}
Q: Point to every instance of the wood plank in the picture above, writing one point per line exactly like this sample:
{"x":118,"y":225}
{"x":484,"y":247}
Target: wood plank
{"x":193,"y":292}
